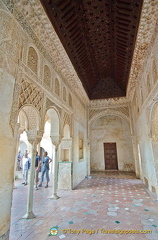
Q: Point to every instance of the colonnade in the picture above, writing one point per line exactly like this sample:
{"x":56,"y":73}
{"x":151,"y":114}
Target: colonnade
{"x":34,"y":141}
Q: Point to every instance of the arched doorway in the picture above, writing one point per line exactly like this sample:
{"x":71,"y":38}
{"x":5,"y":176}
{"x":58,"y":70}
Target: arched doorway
{"x":46,"y":143}
{"x":52,"y":132}
{"x":110,"y":130}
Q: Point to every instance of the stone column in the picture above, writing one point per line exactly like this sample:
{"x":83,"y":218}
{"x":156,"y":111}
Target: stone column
{"x":88,"y":157}
{"x":29,"y":214}
{"x":17,"y":133}
{"x":55,"y":141}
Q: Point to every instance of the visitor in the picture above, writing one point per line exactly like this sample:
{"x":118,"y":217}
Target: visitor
{"x":37,"y":169}
{"x":19,"y":159}
{"x":26,"y":165}
{"x":45,"y":169}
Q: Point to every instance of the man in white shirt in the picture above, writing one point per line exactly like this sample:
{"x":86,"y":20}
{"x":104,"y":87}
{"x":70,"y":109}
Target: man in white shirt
{"x":26,"y":166}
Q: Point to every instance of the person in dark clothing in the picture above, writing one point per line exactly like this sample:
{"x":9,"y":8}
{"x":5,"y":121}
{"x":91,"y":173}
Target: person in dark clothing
{"x":37,"y":169}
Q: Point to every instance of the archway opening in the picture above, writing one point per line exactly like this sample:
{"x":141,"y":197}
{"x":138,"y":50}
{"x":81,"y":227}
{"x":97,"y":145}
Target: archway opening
{"x":112,"y":130}
{"x":28,"y":121}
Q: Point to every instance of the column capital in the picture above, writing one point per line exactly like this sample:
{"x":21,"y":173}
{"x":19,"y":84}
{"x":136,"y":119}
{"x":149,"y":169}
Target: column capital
{"x":34,"y":136}
{"x":56,"y":140}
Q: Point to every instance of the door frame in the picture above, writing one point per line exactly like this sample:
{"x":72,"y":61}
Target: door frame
{"x":116,"y":156}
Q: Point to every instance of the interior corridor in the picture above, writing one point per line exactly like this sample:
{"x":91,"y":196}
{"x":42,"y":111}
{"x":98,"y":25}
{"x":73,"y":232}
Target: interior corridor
{"x":105,"y":201}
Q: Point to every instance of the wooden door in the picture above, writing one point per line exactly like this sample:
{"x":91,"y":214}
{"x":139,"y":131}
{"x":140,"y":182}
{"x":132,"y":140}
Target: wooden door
{"x":110,"y":156}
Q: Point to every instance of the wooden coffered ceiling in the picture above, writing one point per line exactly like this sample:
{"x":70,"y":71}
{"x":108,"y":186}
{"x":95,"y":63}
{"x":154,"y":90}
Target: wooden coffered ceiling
{"x":99,"y":38}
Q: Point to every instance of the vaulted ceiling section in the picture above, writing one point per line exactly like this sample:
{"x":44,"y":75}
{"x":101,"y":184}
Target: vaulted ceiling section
{"x":99,"y":38}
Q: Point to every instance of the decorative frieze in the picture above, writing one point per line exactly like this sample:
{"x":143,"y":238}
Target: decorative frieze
{"x":122,"y":110}
{"x":108,"y":102}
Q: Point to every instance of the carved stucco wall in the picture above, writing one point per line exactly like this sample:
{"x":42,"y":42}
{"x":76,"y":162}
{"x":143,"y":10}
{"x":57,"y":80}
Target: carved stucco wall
{"x":145,"y":39}
{"x":143,"y":120}
{"x":10,"y":43}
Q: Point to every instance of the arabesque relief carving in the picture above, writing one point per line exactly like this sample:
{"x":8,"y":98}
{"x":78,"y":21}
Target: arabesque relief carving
{"x":66,"y":119}
{"x":64,"y":94}
{"x":47,"y":76}
{"x":33,"y":60}
{"x":30,"y":94}
{"x":57,"y":87}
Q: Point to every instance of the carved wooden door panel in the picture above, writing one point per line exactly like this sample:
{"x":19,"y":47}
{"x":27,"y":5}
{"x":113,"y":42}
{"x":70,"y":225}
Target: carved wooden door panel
{"x":110,"y":156}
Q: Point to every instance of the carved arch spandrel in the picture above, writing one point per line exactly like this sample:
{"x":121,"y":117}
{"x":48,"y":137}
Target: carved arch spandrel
{"x":30,"y":94}
{"x":32,"y":115}
{"x":102,"y":113}
{"x":66,"y":120}
{"x":25,"y":93}
{"x":50,"y":104}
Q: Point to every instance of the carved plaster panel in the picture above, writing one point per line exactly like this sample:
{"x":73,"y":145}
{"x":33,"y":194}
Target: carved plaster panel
{"x":30,"y":94}
{"x":70,"y":100}
{"x":15,"y":109}
{"x":66,"y":120}
{"x":33,"y":119}
{"x":10,"y":43}
{"x":121,"y":112}
{"x":47,"y":76}
{"x":33,"y":60}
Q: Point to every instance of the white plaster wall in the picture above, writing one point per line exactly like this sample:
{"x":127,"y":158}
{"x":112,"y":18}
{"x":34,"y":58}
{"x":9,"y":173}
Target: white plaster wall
{"x":146,"y":151}
{"x":7,"y":149}
{"x":111,"y":129}
{"x":79,"y":125}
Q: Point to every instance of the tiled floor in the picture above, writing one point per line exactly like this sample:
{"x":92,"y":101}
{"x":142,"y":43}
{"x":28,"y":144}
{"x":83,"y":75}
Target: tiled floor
{"x":107,"y":201}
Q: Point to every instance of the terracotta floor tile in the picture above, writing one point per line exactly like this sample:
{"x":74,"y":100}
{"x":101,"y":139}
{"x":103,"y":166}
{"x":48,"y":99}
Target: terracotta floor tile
{"x":87,"y":207}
